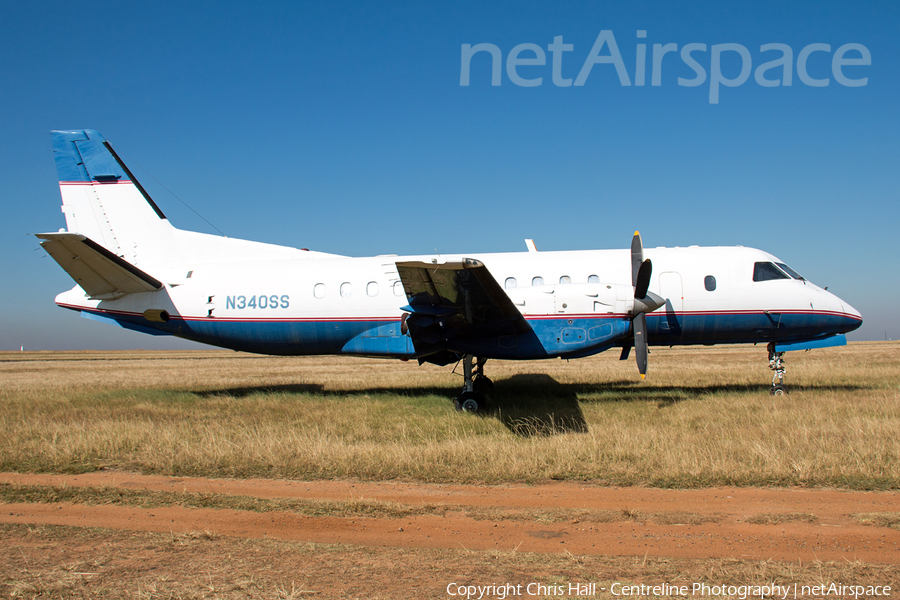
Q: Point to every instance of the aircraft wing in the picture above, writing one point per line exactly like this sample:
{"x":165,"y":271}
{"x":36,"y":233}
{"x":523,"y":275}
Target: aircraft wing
{"x":457,"y":299}
{"x":99,"y":272}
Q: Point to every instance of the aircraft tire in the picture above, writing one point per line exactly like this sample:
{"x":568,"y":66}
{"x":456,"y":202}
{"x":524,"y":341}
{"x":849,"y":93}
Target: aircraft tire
{"x":471,"y":402}
{"x":778,"y":389}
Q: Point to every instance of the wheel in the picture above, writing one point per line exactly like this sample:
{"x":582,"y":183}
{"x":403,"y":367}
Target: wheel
{"x":483,"y":385}
{"x":471,"y":402}
{"x":779,"y":389}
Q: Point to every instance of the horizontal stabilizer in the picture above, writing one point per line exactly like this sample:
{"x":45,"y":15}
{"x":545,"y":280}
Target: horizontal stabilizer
{"x":99,"y":272}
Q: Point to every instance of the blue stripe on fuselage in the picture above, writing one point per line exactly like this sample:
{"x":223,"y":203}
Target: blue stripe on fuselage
{"x":550,"y":337}
{"x":745,"y":327}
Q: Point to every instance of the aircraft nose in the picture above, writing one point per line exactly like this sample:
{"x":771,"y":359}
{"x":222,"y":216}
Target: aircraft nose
{"x":851,"y":311}
{"x":850,"y":317}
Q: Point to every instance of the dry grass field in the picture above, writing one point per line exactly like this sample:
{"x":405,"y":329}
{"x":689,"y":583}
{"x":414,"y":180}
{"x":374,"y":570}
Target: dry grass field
{"x":703,"y":417}
{"x":368,"y":484}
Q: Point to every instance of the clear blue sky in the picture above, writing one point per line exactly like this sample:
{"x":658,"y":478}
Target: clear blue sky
{"x":343,"y":127}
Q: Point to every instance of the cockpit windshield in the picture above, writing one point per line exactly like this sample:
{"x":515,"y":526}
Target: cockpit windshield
{"x":790,"y":271}
{"x":766,"y":271}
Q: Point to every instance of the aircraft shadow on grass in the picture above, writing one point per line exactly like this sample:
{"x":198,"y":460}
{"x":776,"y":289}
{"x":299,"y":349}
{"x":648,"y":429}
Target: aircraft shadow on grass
{"x":633,"y":391}
{"x":528,"y":405}
{"x":319,"y":390}
{"x":532,"y":405}
{"x":536,"y":405}
{"x":243,"y":392}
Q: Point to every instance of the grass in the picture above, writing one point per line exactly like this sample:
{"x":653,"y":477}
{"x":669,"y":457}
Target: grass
{"x":704,"y":417}
{"x":367,"y":508}
{"x":780,"y":518}
{"x":891,"y":520}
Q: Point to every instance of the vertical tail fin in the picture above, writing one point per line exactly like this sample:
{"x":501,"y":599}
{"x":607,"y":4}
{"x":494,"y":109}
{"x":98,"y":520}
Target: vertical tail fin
{"x":101,"y":199}
{"x":104,"y":203}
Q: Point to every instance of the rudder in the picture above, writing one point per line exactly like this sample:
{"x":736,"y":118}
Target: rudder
{"x":101,"y":198}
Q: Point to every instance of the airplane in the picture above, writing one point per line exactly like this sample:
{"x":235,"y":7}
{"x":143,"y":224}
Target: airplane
{"x":134,"y":269}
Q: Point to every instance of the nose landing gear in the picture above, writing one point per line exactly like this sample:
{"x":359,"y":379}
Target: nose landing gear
{"x":776,"y":363}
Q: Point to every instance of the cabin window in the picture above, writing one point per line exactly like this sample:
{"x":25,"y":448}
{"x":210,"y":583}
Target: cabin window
{"x":565,"y":279}
{"x":537,"y":280}
{"x":510,"y":283}
{"x":398,"y":288}
{"x":766,"y":271}
{"x":319,"y":290}
{"x":593,"y":279}
{"x":372,"y":289}
{"x":710,"y":283}
{"x":346,"y":290}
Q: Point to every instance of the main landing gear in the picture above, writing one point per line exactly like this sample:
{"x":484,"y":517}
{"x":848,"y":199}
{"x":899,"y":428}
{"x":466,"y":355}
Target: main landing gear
{"x":472,"y":399}
{"x":776,"y":363}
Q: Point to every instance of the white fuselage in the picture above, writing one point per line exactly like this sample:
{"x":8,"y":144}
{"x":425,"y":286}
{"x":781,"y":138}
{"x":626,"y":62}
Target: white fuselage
{"x":316,"y":304}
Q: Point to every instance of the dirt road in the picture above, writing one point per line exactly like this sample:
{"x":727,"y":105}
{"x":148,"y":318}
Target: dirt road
{"x":759,"y":524}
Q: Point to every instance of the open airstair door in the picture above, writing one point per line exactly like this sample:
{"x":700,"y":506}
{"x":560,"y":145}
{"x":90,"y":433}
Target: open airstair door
{"x":454,"y":303}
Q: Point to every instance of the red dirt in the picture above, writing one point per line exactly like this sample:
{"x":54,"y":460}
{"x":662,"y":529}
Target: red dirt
{"x":829,"y":534}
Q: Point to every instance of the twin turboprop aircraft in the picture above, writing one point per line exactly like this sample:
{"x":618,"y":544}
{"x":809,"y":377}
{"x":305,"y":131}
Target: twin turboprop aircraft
{"x":135,"y":270}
